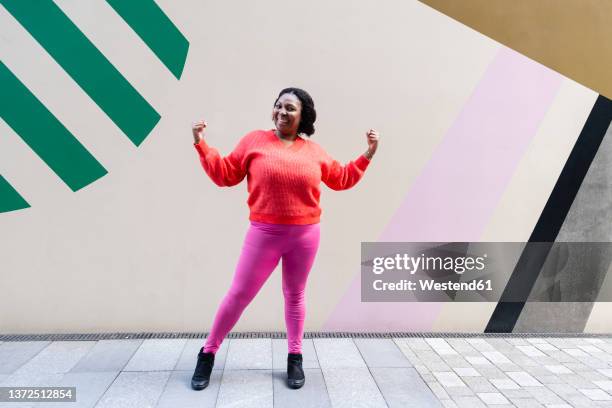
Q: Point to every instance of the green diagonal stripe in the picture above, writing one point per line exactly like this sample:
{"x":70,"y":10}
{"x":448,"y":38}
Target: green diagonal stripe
{"x":49,"y":139}
{"x":156,"y":30}
{"x":10,"y":199}
{"x":86,"y":65}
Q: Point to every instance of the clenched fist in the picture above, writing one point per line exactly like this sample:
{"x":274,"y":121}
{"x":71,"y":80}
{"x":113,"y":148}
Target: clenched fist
{"x":198,"y":130}
{"x":372,"y":137}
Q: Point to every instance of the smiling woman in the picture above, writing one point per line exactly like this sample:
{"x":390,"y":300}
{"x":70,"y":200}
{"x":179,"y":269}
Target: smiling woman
{"x":284,"y":175}
{"x":293,"y":114}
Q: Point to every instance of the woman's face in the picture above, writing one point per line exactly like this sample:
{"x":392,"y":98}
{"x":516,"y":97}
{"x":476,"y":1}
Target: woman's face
{"x":286,"y":114}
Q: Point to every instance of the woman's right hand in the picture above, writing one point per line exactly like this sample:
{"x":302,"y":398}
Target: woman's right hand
{"x":198,"y":131}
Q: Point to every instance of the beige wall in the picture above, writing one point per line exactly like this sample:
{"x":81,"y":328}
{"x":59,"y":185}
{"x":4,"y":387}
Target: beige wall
{"x":153,"y":244}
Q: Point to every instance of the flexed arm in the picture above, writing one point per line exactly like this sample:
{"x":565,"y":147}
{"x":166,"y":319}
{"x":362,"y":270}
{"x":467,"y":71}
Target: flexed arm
{"x":223,"y":171}
{"x":339,"y":177}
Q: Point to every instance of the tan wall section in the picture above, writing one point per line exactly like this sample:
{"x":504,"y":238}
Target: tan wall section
{"x":569,"y":36}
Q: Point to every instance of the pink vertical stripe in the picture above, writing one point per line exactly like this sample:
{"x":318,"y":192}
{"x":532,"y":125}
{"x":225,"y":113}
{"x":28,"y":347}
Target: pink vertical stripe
{"x":456,"y":193}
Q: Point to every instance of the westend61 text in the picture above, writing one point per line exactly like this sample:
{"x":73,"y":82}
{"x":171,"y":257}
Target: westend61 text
{"x":430,"y":284}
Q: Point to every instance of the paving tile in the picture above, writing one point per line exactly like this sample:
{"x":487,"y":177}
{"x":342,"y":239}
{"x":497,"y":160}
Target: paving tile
{"x":536,"y":340}
{"x":563,"y":390}
{"x":560,"y":342}
{"x":496,"y":357}
{"x":402,"y":345}
{"x":449,"y":403}
{"x":479,"y":384}
{"x":189,"y":356}
{"x":449,"y":379}
{"x":543,"y":360}
{"x":575,"y":352}
{"x":246,"y":354}
{"x":518,"y":341}
{"x":417,"y":344}
{"x":590,"y":349}
{"x":492,"y":398}
{"x":546,"y":347}
{"x":491,"y":372}
{"x":549,"y":379}
{"x":580,"y":401}
{"x":422,"y":369}
{"x":576,"y":366}
{"x":430,"y":356}
{"x":558,"y":369}
{"x":592,"y":375}
{"x":381,"y":353}
{"x":504,"y":384}
{"x":438,"y":366}
{"x":402,"y":387}
{"x":351,"y":388}
{"x":461,"y":345}
{"x":524,"y":379}
{"x":526,"y":403}
{"x":604,"y":384}
{"x":561,"y":356}
{"x":438,"y":390}
{"x":14,"y":354}
{"x":606,"y":371}
{"x":107,"y":355}
{"x":57,"y":357}
{"x":467,"y":372}
{"x":440,"y":346}
{"x":576,"y":381}
{"x":89,"y":388}
{"x":246,"y":388}
{"x":280,"y":351}
{"x":469,"y":402}
{"x":428,"y":377}
{"x":530,"y":351}
{"x":543,"y":395}
{"x":456,"y":361}
{"x":596,"y":394}
{"x":338,"y":353}
{"x":459,"y":391}
{"x":135,"y":389}
{"x":480,"y":361}
{"x":31,"y":379}
{"x":156,"y":355}
{"x":537,"y":370}
{"x":178,"y":391}
{"x":520,"y":393}
{"x":312,"y":394}
{"x":595,"y":362}
{"x":480,"y":344}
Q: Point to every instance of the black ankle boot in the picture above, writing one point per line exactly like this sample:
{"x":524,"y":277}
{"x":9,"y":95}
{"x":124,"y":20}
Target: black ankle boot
{"x":295,"y":373}
{"x":203,"y":369}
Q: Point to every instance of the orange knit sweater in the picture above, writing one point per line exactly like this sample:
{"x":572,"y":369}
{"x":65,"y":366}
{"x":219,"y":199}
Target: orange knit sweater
{"x":283,"y":181}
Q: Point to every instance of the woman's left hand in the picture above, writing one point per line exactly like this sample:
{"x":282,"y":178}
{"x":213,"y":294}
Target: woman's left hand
{"x":372,"y":137}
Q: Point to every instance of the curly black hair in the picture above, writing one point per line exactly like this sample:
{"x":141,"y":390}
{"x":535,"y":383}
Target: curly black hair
{"x":308,"y":114}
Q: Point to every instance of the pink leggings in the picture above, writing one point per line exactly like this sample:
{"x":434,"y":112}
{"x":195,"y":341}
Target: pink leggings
{"x":264,"y":246}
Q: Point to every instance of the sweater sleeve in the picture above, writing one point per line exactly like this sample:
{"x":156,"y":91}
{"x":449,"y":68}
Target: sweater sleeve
{"x":223,"y":171}
{"x":339,"y":177}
